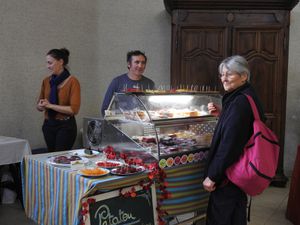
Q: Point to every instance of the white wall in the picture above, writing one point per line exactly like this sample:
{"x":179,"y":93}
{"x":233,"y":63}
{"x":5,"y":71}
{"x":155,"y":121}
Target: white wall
{"x":292,"y":137}
{"x":98,"y":35}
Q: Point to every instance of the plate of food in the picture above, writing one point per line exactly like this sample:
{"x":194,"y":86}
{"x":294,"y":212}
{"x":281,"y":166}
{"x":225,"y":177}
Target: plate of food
{"x":93,"y":172}
{"x":86,"y":153}
{"x":109,"y":164}
{"x":66,"y":160}
{"x":127,"y":170}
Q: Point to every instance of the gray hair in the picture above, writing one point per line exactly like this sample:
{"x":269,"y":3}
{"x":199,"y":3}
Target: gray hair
{"x":235,"y":63}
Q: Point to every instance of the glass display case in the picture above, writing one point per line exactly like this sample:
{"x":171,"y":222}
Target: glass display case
{"x":172,"y":128}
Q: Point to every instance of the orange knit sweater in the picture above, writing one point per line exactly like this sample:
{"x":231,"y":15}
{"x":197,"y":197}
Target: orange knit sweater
{"x":68,"y":95}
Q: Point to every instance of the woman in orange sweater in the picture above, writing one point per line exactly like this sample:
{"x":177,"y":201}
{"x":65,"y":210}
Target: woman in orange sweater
{"x":60,"y":101}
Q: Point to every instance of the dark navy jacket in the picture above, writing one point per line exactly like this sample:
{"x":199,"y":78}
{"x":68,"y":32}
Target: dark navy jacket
{"x":232,"y":132}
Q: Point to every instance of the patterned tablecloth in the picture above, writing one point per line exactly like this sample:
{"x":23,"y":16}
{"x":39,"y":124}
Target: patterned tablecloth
{"x":52,"y":195}
{"x":185,"y":185}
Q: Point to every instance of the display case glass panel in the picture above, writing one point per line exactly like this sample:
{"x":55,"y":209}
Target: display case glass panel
{"x":160,"y":125}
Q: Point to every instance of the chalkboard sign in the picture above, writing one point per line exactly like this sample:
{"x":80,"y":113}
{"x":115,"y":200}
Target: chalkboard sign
{"x":112,"y":209}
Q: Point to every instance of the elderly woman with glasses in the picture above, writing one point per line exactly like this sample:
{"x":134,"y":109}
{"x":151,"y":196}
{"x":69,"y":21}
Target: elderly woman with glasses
{"x":228,"y":203}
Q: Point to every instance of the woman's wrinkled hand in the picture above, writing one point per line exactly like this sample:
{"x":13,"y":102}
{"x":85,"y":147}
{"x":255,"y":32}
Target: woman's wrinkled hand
{"x":213,"y":109}
{"x":209,"y":185}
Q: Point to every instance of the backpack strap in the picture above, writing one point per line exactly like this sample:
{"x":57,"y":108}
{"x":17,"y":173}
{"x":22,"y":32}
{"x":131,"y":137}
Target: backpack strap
{"x":253,"y":106}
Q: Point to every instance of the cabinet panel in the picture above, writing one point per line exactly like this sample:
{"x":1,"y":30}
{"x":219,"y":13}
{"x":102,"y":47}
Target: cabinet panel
{"x":253,"y":40}
{"x":200,"y":58}
{"x":263,"y":48}
{"x":199,"y":53}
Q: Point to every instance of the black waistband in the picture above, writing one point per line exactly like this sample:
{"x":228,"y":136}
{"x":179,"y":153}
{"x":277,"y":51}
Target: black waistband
{"x":59,"y":121}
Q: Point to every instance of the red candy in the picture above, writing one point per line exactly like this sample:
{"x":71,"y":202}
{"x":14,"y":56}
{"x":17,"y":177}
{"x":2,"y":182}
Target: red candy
{"x":107,"y":164}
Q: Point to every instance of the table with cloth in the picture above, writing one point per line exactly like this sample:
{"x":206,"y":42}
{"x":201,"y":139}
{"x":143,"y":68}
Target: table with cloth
{"x":52,"y":195}
{"x":12,"y":151}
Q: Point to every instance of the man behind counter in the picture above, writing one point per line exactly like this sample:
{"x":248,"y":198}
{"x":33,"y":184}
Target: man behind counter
{"x":136,"y":64}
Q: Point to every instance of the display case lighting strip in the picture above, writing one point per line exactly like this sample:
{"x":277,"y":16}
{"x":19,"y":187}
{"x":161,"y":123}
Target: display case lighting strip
{"x":175,"y":99}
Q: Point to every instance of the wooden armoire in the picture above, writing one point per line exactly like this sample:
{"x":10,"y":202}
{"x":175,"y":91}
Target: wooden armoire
{"x":205,"y":32}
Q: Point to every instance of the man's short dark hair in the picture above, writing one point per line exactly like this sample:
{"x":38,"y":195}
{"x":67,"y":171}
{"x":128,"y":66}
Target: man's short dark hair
{"x":135,"y":53}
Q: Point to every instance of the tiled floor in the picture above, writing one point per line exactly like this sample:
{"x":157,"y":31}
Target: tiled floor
{"x":13,"y":214}
{"x":267,"y":209}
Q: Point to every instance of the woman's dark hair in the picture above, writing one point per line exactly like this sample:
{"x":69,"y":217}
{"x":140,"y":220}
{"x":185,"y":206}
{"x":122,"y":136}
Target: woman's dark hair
{"x":135,"y":53}
{"x":59,"y":54}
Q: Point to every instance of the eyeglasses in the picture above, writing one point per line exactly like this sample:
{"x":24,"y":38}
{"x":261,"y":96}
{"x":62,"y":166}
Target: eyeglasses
{"x":228,"y":74}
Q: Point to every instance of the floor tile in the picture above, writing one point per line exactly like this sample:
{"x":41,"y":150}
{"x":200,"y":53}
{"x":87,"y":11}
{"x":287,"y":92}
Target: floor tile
{"x":14,"y":214}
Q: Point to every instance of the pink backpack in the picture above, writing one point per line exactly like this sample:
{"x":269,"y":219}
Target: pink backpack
{"x":255,"y":169}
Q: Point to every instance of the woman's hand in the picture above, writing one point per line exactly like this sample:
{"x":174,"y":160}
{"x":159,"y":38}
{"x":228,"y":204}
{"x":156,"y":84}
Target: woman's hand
{"x":45,"y":104}
{"x":41,"y":105}
{"x":209,"y":185}
{"x":213,"y":109}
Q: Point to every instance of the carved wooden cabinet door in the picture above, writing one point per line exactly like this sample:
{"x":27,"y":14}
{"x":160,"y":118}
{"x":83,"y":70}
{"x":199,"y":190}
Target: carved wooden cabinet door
{"x":198,"y":48}
{"x":261,"y":37}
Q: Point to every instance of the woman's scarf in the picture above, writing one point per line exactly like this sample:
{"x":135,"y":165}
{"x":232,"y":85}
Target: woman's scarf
{"x":55,"y":81}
